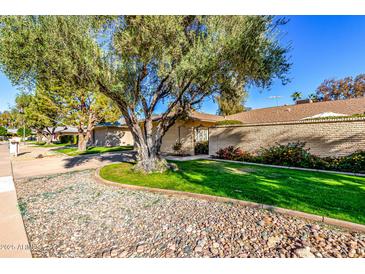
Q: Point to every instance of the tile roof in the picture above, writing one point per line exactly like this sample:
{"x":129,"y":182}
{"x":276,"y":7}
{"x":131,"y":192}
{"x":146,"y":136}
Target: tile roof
{"x":300,"y":111}
{"x":205,"y":116}
{"x":201,"y":116}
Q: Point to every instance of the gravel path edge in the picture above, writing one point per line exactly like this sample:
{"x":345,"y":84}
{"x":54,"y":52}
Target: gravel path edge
{"x":323,"y":219}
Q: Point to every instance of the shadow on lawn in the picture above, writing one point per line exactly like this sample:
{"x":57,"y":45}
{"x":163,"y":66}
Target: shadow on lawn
{"x":333,"y":195}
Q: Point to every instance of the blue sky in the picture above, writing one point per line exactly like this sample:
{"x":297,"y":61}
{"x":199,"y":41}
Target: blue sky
{"x":322,"y":47}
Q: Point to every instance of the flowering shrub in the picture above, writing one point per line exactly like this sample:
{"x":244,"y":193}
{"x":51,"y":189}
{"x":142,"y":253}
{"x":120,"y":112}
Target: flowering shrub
{"x":291,"y":154}
{"x":354,"y":162}
{"x":295,"y":154}
{"x":232,"y":153}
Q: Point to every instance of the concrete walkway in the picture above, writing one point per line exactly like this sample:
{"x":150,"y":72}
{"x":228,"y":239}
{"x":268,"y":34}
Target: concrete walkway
{"x":187,"y":158}
{"x":13,"y":238}
{"x":54,"y":165}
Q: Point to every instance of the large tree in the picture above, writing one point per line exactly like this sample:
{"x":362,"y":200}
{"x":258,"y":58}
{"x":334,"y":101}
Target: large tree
{"x":142,"y":62}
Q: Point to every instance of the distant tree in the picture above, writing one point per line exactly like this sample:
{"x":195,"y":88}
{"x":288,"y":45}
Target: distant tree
{"x":44,"y":112}
{"x":24,"y":132}
{"x":5,"y":119}
{"x":15,"y":119}
{"x":3,"y":131}
{"x":359,"y":86}
{"x":231,"y":99}
{"x":313,"y":97}
{"x":348,"y":87}
{"x":296,"y":96}
{"x":85,"y":109}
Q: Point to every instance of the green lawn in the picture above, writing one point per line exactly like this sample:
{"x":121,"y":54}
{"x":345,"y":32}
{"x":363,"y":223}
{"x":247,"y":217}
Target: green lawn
{"x":72,"y":151}
{"x":333,"y":195}
{"x":48,"y":145}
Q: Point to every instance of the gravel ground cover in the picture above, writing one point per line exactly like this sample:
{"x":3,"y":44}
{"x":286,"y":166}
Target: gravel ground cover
{"x":70,"y":215}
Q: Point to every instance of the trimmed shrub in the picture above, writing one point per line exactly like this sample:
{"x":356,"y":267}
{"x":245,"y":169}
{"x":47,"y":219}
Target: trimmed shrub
{"x":68,"y":139}
{"x":202,"y":147}
{"x":228,"y":122}
{"x":64,"y":139}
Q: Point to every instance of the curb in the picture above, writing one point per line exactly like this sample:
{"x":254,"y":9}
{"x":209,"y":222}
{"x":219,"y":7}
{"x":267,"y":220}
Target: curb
{"x":288,"y":167}
{"x":13,"y":236}
{"x":317,"y":218}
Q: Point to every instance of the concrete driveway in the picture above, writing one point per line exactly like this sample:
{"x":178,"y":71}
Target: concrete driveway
{"x":61,"y":164}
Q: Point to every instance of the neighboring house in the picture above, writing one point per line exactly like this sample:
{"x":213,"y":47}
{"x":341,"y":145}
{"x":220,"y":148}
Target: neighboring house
{"x":112,"y":134}
{"x":60,"y":131}
{"x":12,"y":131}
{"x":187,"y":131}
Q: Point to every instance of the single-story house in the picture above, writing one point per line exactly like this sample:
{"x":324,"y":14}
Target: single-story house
{"x":58,"y":132}
{"x":259,"y":128}
{"x":112,"y":134}
{"x":187,"y":131}
{"x":328,"y":128}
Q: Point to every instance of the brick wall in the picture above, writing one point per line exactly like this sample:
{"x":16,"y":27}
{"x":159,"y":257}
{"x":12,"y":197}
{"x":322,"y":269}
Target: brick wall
{"x":324,"y":138}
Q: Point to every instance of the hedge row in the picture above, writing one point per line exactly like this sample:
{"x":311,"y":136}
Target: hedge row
{"x":296,"y":155}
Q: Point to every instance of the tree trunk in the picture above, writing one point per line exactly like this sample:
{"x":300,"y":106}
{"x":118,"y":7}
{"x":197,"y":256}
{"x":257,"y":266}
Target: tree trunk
{"x":148,"y":149}
{"x":82,"y":144}
{"x":39,"y":136}
{"x":85,"y":134}
{"x":48,"y":139}
{"x":150,"y":162}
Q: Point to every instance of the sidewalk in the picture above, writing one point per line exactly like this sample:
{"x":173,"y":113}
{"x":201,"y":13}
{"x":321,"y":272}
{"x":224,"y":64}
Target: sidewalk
{"x":13,"y":239}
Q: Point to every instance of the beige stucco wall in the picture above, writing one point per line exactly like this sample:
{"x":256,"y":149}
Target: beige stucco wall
{"x":186,"y":136}
{"x":325,"y":138}
{"x":112,"y":136}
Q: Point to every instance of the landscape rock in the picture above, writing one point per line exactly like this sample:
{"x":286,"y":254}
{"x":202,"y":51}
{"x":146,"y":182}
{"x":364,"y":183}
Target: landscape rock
{"x":304,"y":253}
{"x":71,"y":215}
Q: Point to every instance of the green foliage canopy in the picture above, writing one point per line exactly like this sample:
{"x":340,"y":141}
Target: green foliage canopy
{"x":142,"y":62}
{"x":3,"y":131}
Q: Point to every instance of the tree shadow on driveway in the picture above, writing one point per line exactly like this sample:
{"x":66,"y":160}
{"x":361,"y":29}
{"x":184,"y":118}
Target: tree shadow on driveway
{"x":124,"y":156}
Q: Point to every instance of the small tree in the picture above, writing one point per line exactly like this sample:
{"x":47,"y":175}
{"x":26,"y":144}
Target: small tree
{"x":296,"y":96}
{"x":313,"y":97}
{"x":5,"y":119}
